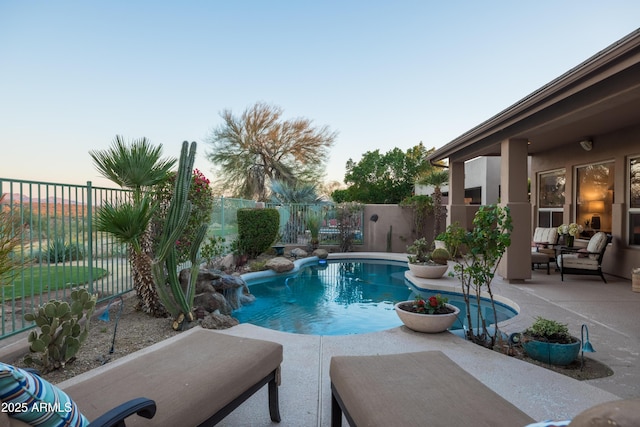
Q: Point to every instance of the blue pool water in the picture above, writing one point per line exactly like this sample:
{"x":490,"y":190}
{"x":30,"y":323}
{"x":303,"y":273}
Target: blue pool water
{"x":340,"y":297}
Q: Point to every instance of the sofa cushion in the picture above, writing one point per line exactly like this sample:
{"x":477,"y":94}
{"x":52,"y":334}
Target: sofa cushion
{"x":574,"y":260}
{"x":36,"y":401}
{"x":597,"y":244}
{"x":548,"y":236}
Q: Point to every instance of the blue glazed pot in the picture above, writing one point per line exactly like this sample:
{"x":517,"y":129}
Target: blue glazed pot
{"x":552,"y":353}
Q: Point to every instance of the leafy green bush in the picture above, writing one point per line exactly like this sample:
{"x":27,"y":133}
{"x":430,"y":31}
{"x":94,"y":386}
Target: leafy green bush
{"x":548,"y":330}
{"x":201,"y":198}
{"x":257,"y":230}
{"x":213,"y":248}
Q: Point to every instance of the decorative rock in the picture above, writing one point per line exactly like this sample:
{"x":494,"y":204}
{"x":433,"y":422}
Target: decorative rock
{"x":321,"y":253}
{"x":212,"y":301}
{"x":218,"y":321}
{"x":298,"y":253}
{"x":227,"y":262}
{"x":280,"y":264}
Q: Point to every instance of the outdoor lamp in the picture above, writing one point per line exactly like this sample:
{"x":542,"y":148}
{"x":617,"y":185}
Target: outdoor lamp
{"x":586,"y":345}
{"x":105,"y":318}
{"x":596,"y":207}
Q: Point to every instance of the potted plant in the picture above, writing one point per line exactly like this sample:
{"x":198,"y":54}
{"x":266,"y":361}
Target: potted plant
{"x":570,"y":232}
{"x":431,"y":315}
{"x":550,"y":342}
{"x":427,"y":263}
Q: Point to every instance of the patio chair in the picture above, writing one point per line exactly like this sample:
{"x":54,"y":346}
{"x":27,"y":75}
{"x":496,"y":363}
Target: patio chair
{"x":587,"y":260}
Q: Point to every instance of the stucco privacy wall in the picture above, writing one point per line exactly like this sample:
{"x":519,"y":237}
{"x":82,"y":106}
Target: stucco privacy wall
{"x":393,"y":227}
{"x":617,"y":146}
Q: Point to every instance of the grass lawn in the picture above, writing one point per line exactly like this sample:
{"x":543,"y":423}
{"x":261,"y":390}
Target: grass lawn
{"x":51,"y":278}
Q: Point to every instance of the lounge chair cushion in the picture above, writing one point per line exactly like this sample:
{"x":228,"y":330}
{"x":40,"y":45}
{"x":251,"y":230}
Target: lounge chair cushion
{"x":36,"y":401}
{"x":190,"y":377}
{"x":423,"y":388}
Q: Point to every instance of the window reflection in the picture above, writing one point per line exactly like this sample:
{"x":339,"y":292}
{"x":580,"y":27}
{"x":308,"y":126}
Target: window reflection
{"x":594,"y":188}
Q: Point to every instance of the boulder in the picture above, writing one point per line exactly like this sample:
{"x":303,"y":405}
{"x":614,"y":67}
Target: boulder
{"x":298,"y":253}
{"x":321,"y":253}
{"x":280,"y":264}
{"x":218,"y":321}
{"x":212,"y":301}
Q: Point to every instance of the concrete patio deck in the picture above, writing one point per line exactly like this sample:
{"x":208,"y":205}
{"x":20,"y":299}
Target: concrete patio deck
{"x":611,"y":312}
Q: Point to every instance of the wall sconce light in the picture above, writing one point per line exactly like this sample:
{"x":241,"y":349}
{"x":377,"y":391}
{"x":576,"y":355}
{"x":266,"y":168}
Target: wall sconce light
{"x":586,"y":144}
{"x":374,"y":218}
{"x":586,"y":345}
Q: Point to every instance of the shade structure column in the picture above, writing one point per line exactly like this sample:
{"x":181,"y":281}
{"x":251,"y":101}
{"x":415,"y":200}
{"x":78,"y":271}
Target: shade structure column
{"x":516,"y":262}
{"x":456,"y":207}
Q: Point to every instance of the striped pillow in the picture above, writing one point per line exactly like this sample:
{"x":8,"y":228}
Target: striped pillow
{"x":31,"y":399}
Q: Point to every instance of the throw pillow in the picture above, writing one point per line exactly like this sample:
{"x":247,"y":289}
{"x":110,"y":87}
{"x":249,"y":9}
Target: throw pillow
{"x":29,"y":398}
{"x":583,"y":253}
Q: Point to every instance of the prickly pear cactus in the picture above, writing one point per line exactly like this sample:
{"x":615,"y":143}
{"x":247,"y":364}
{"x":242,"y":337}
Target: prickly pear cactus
{"x":63,"y":329}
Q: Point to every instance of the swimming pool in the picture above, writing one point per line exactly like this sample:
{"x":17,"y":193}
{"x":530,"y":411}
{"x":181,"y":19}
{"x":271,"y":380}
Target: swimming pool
{"x":338,"y":297}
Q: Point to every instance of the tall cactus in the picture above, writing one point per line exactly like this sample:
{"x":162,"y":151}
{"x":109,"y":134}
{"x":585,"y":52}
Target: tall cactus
{"x":176,"y":299}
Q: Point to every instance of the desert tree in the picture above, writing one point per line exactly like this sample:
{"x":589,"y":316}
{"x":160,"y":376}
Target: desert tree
{"x":259,"y":146}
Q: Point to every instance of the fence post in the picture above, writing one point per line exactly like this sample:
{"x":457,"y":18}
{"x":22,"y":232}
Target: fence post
{"x":222,"y":233}
{"x":90,"y":236}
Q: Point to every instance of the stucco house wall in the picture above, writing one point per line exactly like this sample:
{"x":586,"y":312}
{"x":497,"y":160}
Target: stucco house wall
{"x":617,"y":146}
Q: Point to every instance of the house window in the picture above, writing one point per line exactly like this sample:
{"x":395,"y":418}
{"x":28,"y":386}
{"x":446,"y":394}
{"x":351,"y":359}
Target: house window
{"x":634,"y":201}
{"x":551,"y":198}
{"x":594,"y":196}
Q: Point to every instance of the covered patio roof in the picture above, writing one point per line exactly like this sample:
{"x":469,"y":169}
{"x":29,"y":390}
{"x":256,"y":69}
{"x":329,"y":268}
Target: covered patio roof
{"x":598,"y":96}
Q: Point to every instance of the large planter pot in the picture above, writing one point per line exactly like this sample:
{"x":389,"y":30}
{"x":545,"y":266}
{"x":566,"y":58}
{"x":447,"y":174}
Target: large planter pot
{"x":425,"y":271}
{"x":552,"y":353}
{"x":429,"y":323}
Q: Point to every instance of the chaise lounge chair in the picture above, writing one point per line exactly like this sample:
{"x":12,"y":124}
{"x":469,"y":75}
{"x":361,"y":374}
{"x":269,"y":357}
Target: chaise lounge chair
{"x":195,"y":378}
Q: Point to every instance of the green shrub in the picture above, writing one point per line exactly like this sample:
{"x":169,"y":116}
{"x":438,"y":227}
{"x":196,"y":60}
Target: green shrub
{"x":201,"y":197}
{"x":59,"y":251}
{"x":257,"y":230}
{"x":548,"y":330}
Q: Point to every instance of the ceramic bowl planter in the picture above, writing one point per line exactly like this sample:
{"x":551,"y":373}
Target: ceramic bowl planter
{"x":429,"y":323}
{"x":552,"y":353}
{"x":428,"y":271}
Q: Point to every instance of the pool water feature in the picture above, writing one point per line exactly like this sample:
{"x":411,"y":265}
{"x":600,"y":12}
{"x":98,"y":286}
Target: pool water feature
{"x":339,"y":297}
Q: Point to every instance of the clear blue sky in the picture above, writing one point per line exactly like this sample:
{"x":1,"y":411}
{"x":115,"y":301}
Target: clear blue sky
{"x":384,"y":74}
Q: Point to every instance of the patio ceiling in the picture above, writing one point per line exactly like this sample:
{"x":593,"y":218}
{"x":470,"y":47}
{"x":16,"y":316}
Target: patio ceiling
{"x":598,"y":96}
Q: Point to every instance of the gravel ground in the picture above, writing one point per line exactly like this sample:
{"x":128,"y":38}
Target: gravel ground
{"x":135,"y":331}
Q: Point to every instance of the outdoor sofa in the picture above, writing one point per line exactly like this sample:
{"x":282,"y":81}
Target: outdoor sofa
{"x":195,"y":378}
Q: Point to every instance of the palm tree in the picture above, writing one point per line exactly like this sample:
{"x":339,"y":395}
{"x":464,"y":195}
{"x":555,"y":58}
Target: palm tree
{"x":138,"y":167}
{"x":436,"y":178}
